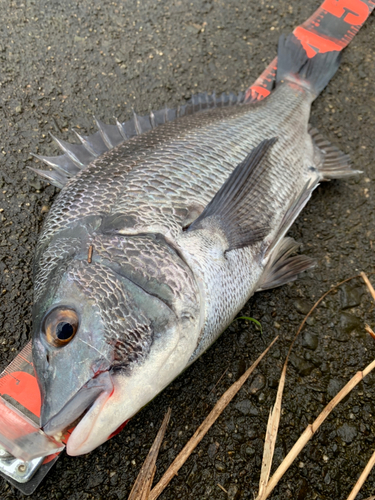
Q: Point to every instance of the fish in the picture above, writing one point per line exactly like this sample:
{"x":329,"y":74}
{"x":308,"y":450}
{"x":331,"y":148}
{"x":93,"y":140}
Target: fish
{"x":164,"y":227}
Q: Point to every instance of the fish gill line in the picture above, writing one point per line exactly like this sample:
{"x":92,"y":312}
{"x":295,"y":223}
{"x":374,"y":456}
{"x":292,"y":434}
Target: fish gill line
{"x":95,"y":349}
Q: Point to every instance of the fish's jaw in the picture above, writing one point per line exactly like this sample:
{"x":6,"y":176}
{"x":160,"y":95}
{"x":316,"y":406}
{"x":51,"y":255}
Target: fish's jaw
{"x":131,"y":392}
{"x":80,"y":441}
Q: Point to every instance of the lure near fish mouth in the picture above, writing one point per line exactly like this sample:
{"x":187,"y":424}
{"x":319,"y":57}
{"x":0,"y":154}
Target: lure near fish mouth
{"x":164,"y":227}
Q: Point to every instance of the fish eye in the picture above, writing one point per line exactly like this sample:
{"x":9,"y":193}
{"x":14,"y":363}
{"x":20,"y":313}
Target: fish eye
{"x":60,"y":326}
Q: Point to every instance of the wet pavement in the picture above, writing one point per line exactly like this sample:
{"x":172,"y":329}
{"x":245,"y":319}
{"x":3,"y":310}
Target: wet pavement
{"x":61,"y":63}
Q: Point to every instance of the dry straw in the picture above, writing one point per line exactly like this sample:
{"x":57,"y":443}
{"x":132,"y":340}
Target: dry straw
{"x":266,"y":487}
{"x":144,"y":475}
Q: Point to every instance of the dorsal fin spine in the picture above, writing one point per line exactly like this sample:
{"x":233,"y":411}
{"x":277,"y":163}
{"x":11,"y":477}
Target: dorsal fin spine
{"x":104,"y":136}
{"x":65,"y":147}
{"x":85,"y":143}
{"x":121,"y":130}
{"x":136,"y":123}
{"x":109,"y":136}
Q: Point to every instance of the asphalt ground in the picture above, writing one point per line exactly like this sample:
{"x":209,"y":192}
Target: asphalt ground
{"x":61,"y":63}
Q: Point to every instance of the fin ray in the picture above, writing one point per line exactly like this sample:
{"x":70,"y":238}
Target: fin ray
{"x":336,"y":164}
{"x":75,"y":152}
{"x":110,"y":134}
{"x":282,"y":267}
{"x":57,"y":179}
{"x":61,"y":163}
{"x":78,"y":156}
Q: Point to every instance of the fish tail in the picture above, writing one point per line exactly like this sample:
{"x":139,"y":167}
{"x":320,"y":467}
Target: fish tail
{"x":294,"y":65}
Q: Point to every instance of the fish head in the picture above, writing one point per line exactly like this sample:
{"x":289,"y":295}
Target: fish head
{"x":107,"y":339}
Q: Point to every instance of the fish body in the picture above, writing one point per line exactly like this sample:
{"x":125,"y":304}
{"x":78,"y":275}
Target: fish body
{"x":183,"y":223}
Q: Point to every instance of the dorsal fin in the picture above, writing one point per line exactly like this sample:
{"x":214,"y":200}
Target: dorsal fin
{"x":78,"y":156}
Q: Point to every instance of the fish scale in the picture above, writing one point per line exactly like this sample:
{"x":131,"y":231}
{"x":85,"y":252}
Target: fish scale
{"x":117,"y":302}
{"x":146,"y":179}
{"x":161,"y":179}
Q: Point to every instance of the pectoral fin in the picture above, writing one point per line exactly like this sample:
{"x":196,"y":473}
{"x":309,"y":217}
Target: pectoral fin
{"x":233,"y":209}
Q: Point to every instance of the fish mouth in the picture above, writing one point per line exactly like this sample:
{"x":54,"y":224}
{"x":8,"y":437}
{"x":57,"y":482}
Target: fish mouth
{"x":83,"y":408}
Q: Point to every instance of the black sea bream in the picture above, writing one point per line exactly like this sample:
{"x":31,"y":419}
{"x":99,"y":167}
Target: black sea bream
{"x":182,"y":223}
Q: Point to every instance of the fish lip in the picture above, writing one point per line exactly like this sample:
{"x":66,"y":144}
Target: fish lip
{"x":73,"y":411}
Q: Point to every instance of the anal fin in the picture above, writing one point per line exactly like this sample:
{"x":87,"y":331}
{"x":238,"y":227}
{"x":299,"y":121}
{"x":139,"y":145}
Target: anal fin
{"x":283,"y":267}
{"x":336,"y":164}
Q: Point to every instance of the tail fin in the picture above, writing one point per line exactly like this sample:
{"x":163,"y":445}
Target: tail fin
{"x":293,"y":64}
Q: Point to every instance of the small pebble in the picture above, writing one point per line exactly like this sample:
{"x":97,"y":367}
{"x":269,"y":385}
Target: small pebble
{"x":233,"y":492}
{"x":348,"y":323}
{"x":276,"y":353}
{"x":212,"y":450}
{"x":302,"y":306}
{"x":220,"y":467}
{"x":310,"y":341}
{"x":239,"y":369}
{"x":301,"y":366}
{"x":257,"y":384}
{"x":262,"y":397}
{"x":252,"y":433}
{"x":349,"y":296}
{"x":347,"y":432}
{"x":250,"y":451}
{"x":310,"y":321}
{"x":247,"y":408}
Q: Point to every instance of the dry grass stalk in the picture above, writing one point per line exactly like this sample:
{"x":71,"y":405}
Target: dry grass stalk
{"x":370,"y":331}
{"x":202,"y":430}
{"x":148,"y":484}
{"x":271,"y":435}
{"x":222,"y":488}
{"x":370,"y":464}
{"x":312,"y":428}
{"x":362,"y":478}
{"x":372,"y":291}
{"x":274,"y":418}
{"x":370,"y":498}
{"x":142,"y":486}
{"x":368,"y":283}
